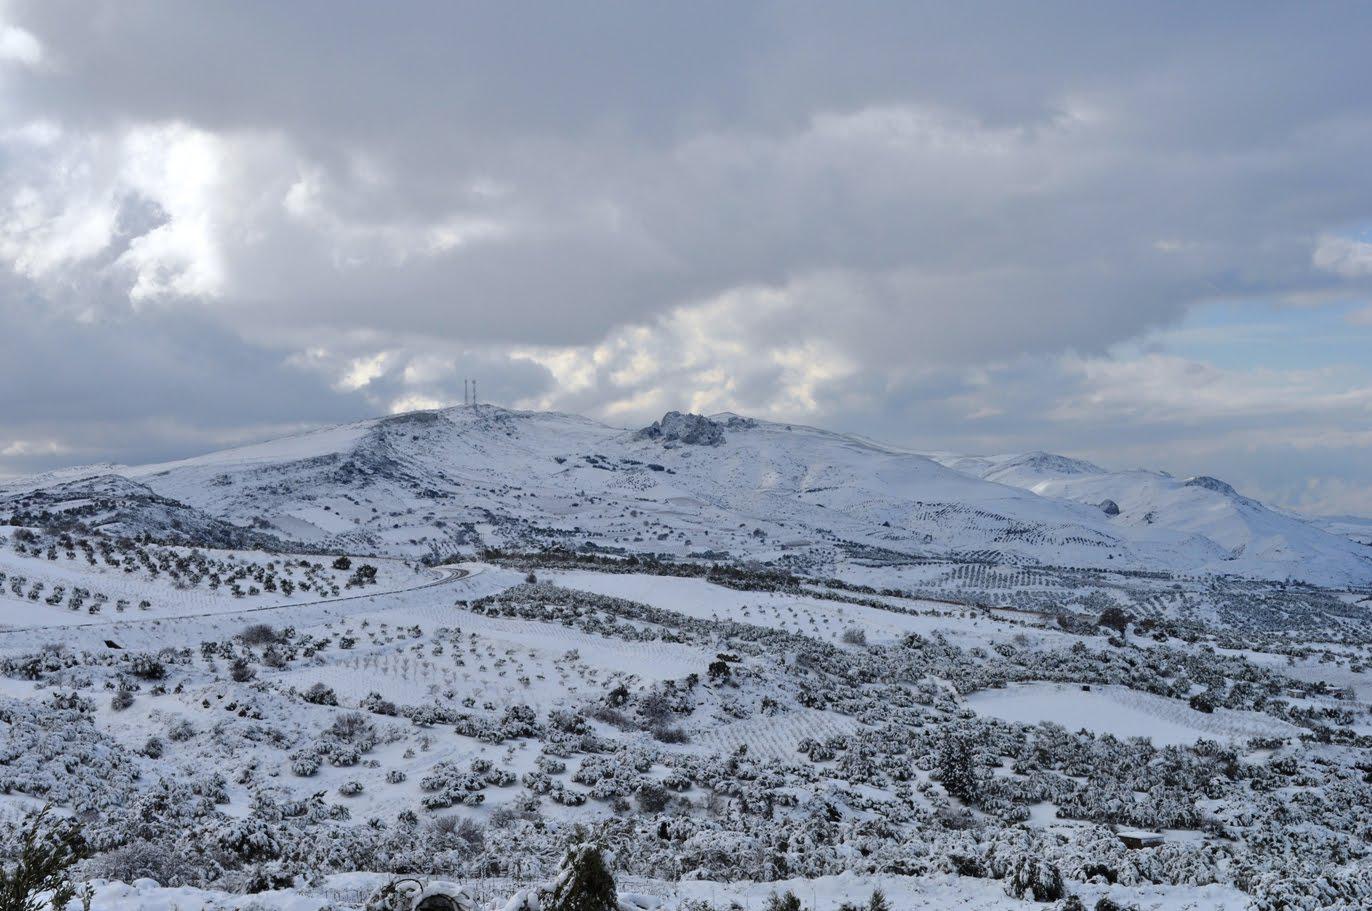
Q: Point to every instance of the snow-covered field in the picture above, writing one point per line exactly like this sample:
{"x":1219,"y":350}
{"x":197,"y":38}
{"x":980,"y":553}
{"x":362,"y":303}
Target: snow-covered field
{"x":826,"y":893}
{"x":1123,"y":712}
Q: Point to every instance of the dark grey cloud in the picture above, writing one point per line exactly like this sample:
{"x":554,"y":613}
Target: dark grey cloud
{"x":141,"y":387}
{"x":1026,"y":157}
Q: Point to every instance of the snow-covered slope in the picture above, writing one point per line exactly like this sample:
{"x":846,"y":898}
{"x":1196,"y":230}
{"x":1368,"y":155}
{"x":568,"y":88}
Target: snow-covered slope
{"x":751,"y":489}
{"x":1258,"y":540}
{"x":443,"y":481}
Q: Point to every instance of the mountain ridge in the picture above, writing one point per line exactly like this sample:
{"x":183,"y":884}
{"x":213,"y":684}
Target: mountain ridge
{"x":432,"y":482}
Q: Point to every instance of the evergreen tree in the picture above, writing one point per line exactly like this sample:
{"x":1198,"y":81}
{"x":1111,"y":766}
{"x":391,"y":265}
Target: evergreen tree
{"x":1116,"y":619}
{"x":957,"y":770}
{"x":786,"y":901}
{"x":47,"y":849}
{"x":583,"y":883}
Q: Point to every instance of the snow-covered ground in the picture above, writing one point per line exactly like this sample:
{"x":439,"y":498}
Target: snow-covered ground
{"x":166,"y":598}
{"x":476,"y":640}
{"x":1124,"y":712}
{"x":826,"y":893}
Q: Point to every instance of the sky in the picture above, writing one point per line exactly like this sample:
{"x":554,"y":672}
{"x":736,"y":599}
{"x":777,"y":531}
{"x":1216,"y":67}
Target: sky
{"x":1135,"y":233}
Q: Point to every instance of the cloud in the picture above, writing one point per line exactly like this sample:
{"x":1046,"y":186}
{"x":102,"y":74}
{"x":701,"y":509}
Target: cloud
{"x":1167,"y":388}
{"x":1345,"y":256}
{"x":378,"y":197}
{"x":26,"y":448}
{"x":18,"y":46}
{"x":1326,"y":496}
{"x":141,"y":386}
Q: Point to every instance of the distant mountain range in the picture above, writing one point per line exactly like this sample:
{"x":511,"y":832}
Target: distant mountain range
{"x":434,"y":482}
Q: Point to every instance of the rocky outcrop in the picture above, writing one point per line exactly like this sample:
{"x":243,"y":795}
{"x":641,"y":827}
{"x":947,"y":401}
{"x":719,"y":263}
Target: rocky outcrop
{"x":689,"y":429}
{"x":1214,"y":484}
{"x":1220,"y":487}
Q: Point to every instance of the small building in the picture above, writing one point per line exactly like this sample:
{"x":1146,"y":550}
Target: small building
{"x":1136,"y":840}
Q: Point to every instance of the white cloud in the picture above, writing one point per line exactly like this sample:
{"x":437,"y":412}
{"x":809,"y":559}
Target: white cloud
{"x":19,"y":46}
{"x":68,"y":193}
{"x":415,"y":402}
{"x":39,"y":234}
{"x":1325,"y":496}
{"x":180,"y":170}
{"x":1173,"y":389}
{"x":34,"y":448}
{"x":1344,"y":256}
{"x":725,"y":354}
{"x":361,"y":371}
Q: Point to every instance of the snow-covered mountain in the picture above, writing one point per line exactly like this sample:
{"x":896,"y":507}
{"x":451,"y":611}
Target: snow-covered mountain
{"x":441,"y":481}
{"x":1258,"y":539}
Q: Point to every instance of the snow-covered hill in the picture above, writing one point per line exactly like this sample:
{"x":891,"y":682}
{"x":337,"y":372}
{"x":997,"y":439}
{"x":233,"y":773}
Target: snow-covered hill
{"x":441,"y":482}
{"x":1258,"y":540}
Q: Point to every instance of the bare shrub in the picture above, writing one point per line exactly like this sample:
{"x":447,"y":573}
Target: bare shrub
{"x":670,"y":734}
{"x":351,"y":726}
{"x":144,"y":859}
{"x":259,"y":634}
{"x":652,"y":797}
{"x":855,"y":636}
{"x":319,"y":694}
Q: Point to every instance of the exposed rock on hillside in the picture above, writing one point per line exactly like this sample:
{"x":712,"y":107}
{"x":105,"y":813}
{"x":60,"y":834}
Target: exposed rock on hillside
{"x":691,"y":429}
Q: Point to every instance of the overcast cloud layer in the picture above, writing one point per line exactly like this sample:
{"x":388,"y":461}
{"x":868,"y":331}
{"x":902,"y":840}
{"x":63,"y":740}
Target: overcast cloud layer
{"x":1135,"y":233}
